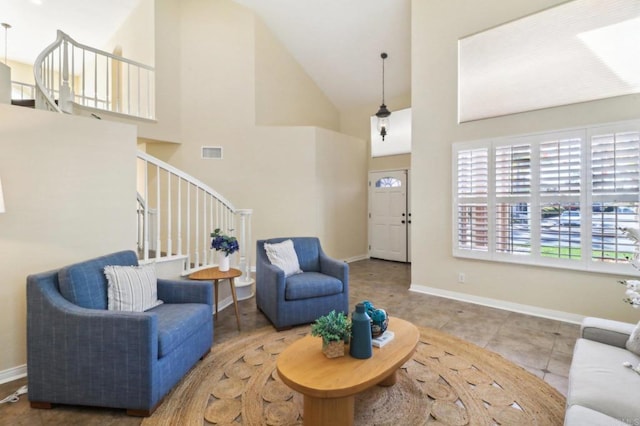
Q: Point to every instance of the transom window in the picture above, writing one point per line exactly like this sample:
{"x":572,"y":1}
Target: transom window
{"x":553,"y":199}
{"x":388,"y":182}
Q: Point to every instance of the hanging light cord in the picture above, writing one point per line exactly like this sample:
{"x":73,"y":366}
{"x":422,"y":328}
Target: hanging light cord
{"x":6,"y":29}
{"x":384,"y":56}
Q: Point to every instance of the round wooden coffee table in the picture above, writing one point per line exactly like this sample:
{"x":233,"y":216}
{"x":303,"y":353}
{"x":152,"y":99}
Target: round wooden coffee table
{"x":214,"y":274}
{"x":330,"y":385}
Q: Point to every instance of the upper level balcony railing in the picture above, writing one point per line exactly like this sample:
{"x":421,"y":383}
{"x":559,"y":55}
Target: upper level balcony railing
{"x":69,"y":73}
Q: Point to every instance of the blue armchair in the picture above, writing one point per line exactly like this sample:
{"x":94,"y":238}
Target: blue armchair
{"x":80,"y":353}
{"x":301,"y":298}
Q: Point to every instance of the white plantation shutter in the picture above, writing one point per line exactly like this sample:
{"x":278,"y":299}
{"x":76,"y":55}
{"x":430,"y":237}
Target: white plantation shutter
{"x":555,"y":199}
{"x":560,"y":190}
{"x":560,"y":167}
{"x":615,"y":165}
{"x":473,"y":173}
{"x":472,"y":218}
{"x":513,"y":192}
{"x":615,"y":175}
{"x":513,"y":170}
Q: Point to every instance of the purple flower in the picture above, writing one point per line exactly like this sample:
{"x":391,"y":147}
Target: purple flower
{"x":224,"y":243}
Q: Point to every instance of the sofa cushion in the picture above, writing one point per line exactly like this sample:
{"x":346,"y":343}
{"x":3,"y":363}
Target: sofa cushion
{"x":131,"y":288}
{"x":308,"y":250}
{"x":311,"y":284}
{"x":84,"y":284}
{"x":177,"y":322}
{"x":577,"y":415}
{"x":599,"y":381}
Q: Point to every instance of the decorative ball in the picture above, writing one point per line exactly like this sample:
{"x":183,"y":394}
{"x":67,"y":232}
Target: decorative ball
{"x":379,"y":319}
{"x":379,"y":322}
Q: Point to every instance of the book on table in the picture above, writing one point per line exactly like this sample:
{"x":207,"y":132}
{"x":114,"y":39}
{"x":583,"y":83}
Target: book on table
{"x":383,"y":339}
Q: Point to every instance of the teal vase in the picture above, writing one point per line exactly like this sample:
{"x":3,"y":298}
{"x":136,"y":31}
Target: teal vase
{"x":360,"y":334}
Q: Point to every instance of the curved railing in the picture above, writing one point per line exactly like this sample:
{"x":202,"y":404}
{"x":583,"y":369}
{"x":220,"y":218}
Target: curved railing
{"x":68,"y":73}
{"x":177,"y":213}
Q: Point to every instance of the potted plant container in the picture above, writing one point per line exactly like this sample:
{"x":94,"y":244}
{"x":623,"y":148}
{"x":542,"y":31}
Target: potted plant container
{"x":334,"y":329}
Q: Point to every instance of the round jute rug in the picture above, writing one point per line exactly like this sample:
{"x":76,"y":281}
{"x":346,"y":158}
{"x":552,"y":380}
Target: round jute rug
{"x":447,"y":381}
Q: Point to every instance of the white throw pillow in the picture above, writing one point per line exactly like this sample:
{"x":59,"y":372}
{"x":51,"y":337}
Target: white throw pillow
{"x":633,"y":343}
{"x":284,"y":256}
{"x":131,"y":288}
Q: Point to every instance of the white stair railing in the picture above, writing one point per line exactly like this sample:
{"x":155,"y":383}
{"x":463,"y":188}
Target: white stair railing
{"x":68,"y":73}
{"x":22,"y":91}
{"x":177,"y":214}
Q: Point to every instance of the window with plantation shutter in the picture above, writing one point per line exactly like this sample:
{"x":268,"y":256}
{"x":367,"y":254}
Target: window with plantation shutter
{"x":555,"y":199}
{"x":513,"y":198}
{"x":614,"y":163}
{"x":560,"y":167}
{"x":473,"y":173}
{"x":615,"y":174}
{"x":560,"y":190}
{"x":473,"y":189}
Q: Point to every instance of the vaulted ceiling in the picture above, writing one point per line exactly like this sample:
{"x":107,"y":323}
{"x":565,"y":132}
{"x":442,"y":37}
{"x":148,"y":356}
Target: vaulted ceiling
{"x":337,"y":42}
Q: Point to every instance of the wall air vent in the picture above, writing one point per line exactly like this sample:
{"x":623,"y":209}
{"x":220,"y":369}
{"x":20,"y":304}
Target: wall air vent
{"x":212,"y":152}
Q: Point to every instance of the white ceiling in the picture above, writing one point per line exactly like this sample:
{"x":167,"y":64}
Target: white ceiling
{"x":34,"y":23}
{"x":337,"y":42}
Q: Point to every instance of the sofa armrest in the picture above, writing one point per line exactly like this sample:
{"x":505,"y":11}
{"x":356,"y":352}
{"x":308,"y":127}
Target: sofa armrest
{"x":271,"y":280}
{"x":185,"y":291}
{"x":609,"y":332}
{"x":335,"y":268}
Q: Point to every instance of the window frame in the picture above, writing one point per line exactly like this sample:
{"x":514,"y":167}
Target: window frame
{"x":536,"y":199}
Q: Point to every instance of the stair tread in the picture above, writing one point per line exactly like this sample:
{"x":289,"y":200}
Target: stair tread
{"x":28,"y":103}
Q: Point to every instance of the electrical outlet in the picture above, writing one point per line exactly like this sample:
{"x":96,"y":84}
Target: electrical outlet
{"x":461,"y":277}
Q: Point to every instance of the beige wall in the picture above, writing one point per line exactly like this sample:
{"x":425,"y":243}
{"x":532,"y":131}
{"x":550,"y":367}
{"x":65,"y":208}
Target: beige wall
{"x":69,"y":192}
{"x":229,"y":60}
{"x":150,"y":35}
{"x":436,"y":28}
{"x":341,"y":194}
{"x":22,"y":73}
{"x":136,"y":35}
{"x":281,"y":81}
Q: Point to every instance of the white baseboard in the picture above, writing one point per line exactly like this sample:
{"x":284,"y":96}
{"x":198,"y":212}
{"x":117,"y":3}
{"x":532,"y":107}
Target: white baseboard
{"x":500,"y":304}
{"x":14,"y":373}
{"x":357,"y":258}
{"x":227,"y":301}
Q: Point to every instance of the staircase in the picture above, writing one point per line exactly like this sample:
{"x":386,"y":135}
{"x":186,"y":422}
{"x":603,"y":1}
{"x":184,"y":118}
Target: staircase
{"x":175,"y":211}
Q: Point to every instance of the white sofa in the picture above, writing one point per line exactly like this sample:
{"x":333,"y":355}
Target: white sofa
{"x":602,"y":392}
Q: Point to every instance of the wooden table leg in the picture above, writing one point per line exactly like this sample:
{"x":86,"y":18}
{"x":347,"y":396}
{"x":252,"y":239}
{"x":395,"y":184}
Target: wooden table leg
{"x":215,"y":290}
{"x":328,"y":411}
{"x":390,"y":380}
{"x":235,"y":300}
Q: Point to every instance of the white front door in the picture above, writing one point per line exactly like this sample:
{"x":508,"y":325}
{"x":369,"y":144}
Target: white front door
{"x":388,"y":216}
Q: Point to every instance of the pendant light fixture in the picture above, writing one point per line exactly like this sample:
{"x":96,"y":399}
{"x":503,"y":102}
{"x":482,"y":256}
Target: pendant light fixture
{"x":383,"y":113}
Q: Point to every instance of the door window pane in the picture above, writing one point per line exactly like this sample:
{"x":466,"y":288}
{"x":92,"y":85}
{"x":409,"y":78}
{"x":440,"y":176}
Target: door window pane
{"x":388,"y":182}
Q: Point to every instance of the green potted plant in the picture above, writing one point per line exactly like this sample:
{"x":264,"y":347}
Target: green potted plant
{"x":334,"y":329}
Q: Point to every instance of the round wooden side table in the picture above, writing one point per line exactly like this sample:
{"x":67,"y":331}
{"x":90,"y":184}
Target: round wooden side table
{"x":214,"y":274}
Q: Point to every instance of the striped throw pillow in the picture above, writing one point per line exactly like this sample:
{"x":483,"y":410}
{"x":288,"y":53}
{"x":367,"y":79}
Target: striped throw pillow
{"x":131,"y":288}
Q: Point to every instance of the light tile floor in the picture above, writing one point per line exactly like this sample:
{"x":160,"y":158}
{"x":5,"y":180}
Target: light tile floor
{"x":542,"y":346}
